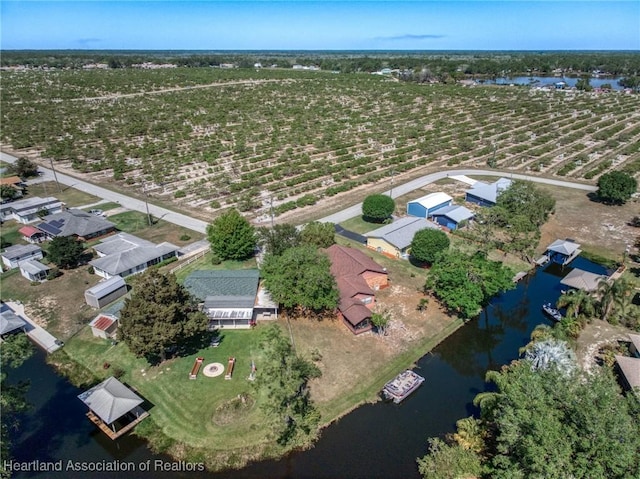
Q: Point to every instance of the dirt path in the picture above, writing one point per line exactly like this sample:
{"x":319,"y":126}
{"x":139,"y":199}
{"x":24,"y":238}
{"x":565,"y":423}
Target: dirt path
{"x":594,"y":336}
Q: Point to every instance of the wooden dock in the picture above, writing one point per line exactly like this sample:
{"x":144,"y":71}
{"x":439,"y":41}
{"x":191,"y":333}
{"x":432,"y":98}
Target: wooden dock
{"x":542,"y":260}
{"x":113,"y":435}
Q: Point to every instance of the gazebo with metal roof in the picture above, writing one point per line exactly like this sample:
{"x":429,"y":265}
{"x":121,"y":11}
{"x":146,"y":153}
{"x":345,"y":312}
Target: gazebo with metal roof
{"x":112,"y":401}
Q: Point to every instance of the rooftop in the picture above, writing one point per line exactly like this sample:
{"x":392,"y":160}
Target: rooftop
{"x":455,"y":212}
{"x":433,"y":199}
{"x":565,"y":247}
{"x":34,"y":203}
{"x":9,"y":320}
{"x":581,"y":279}
{"x":122,"y":261}
{"x":400,"y":233}
{"x":74,"y":222}
{"x":349,"y":261}
{"x":204,"y":284}
{"x":491,"y":191}
{"x":110,"y":400}
{"x":107,"y":286}
{"x":103,"y":322}
{"x":33,"y":267}
{"x":19,"y":250}
{"x":630,"y":367}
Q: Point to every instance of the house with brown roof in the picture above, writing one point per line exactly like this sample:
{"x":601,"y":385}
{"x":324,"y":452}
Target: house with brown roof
{"x":358,"y":278}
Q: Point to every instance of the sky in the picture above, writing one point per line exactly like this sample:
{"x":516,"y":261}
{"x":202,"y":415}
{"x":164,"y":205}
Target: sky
{"x":321,"y":25}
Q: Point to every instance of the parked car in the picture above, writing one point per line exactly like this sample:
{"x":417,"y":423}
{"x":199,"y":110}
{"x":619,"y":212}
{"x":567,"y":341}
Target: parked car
{"x":97,"y":212}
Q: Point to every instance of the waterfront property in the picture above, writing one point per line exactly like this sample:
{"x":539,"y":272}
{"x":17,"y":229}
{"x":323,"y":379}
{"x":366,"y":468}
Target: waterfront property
{"x":584,"y":280}
{"x":30,"y":209}
{"x":14,"y":255}
{"x":10,"y":322}
{"x":630,"y":372}
{"x":395,"y":239}
{"x":563,"y":251}
{"x":77,"y":223}
{"x":232,"y":299}
{"x":634,"y":348}
{"x":357,"y":277}
{"x":105,"y":292}
{"x":486,"y":194}
{"x":424,"y":206}
{"x":113,"y":407}
{"x":125,"y":254}
{"x":104,"y":326}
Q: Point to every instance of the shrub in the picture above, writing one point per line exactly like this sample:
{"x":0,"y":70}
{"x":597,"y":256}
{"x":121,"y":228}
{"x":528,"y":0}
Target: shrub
{"x":185,"y":237}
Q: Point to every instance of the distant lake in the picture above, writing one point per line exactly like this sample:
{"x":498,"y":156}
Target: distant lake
{"x":549,"y":81}
{"x":379,"y":440}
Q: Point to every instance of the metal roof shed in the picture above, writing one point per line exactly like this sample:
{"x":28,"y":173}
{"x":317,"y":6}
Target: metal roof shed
{"x":105,"y":292}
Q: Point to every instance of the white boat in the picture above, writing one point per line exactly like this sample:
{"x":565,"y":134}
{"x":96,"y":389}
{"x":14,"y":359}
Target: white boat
{"x":552,"y":312}
{"x":402,"y":386}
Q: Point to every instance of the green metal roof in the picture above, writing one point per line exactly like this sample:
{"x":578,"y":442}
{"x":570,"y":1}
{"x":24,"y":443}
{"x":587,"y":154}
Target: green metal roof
{"x":203,"y":283}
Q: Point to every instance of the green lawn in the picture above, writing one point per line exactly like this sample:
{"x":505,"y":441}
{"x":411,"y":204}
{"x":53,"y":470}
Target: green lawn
{"x":137,"y":223}
{"x":9,"y":233}
{"x":358,"y":225}
{"x":204,"y":263}
{"x":70,"y":196}
{"x":185,"y":409}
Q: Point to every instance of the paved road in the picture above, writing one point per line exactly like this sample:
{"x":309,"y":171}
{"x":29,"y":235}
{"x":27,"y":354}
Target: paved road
{"x":126,"y":201}
{"x":400,"y":190}
{"x":347,"y":213}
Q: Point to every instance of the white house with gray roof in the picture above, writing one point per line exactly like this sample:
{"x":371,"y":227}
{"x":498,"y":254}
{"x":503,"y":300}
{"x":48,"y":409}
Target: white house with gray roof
{"x":19,"y":253}
{"x":125,"y":254}
{"x":29,"y":210}
{"x":34,"y":270}
{"x":231,"y":299}
{"x":75,"y":222}
{"x":394,"y":239}
{"x":484,"y":194}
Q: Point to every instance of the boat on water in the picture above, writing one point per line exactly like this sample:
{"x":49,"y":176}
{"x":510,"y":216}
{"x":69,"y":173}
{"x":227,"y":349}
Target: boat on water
{"x":552,"y":312}
{"x":402,"y":386}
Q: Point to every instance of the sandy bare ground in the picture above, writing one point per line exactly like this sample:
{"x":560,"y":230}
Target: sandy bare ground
{"x":594,"y":337}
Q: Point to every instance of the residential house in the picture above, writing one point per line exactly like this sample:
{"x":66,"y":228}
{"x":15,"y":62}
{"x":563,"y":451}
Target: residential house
{"x":16,"y":254}
{"x":34,"y":270}
{"x":484,"y":194}
{"x":105,"y":292}
{"x":425,"y":206}
{"x":452,"y":216}
{"x":124,"y":254}
{"x":395,"y":239}
{"x":630,"y":372}
{"x":10,"y":322}
{"x":74,"y":222}
{"x":358,"y":278}
{"x":29,"y":210}
{"x":231,"y":299}
{"x":14,"y":182}
{"x":634,"y":349}
{"x":32,"y":235}
{"x":104,"y":326}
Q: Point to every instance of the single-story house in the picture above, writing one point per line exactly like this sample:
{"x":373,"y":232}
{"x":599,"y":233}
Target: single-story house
{"x":29,"y":210}
{"x":105,"y":292}
{"x":125,"y":254}
{"x":630,"y":369}
{"x":635,"y":344}
{"x":16,"y":254}
{"x":563,"y":251}
{"x":425,"y":206}
{"x":451,"y":216}
{"x":10,"y":322}
{"x":112,"y":401}
{"x":486,"y":194}
{"x":32,"y":235}
{"x":585,"y":280}
{"x":14,"y":182}
{"x":104,"y":326}
{"x":358,"y":278}
{"x":34,"y":270}
{"x":75,"y":222}
{"x":395,"y":239}
{"x":231,"y":299}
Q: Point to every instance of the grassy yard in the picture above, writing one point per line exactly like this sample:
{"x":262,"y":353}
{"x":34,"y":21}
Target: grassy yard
{"x":358,"y":225}
{"x":9,"y":233}
{"x":204,"y":413}
{"x":205,"y":263}
{"x":68,"y":195}
{"x":137,"y":223}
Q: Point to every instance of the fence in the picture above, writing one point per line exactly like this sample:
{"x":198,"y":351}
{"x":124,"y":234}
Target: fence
{"x":190,"y":260}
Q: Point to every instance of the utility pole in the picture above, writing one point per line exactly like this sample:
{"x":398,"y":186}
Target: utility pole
{"x":55,"y":175}
{"x":271,"y":209}
{"x":391,"y":190}
{"x":146,"y":203}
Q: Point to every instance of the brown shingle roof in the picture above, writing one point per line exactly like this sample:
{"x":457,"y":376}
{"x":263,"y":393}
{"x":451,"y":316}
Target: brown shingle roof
{"x":348,"y":261}
{"x":354,"y":311}
{"x":10,"y":180}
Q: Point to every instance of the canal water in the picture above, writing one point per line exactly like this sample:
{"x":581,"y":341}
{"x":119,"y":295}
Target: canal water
{"x":379,"y":440}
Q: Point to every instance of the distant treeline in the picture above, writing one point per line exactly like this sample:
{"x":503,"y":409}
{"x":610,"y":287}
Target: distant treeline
{"x":468,"y":63}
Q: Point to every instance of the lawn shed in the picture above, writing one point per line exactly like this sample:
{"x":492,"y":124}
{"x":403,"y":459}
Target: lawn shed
{"x":105,"y":292}
{"x":425,"y":206}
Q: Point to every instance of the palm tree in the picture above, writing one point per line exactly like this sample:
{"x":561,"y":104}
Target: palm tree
{"x":611,"y":292}
{"x":577,"y":301}
{"x":551,"y":353}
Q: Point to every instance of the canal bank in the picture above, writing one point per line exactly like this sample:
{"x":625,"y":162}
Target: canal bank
{"x":376,"y":440}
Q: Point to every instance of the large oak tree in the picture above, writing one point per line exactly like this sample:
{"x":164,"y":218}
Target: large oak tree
{"x":159,"y":316}
{"x":232,"y":236}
